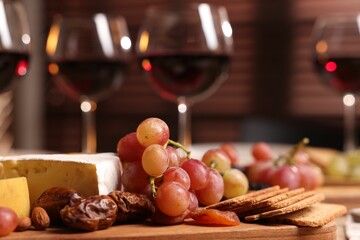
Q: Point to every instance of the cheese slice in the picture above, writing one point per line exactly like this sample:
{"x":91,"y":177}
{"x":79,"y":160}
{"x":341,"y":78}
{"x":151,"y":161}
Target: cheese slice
{"x":14,"y":194}
{"x":89,"y":174}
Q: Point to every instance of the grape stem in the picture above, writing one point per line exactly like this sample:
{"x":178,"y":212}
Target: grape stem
{"x":289,"y":157}
{"x":179,"y":145}
{"x":153,"y":187}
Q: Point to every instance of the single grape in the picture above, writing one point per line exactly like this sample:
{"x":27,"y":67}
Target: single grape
{"x":174,"y":156}
{"x":198,"y":173}
{"x":338,"y":168}
{"x":355,"y":173}
{"x":311,"y":177}
{"x":231,"y":150}
{"x":253,"y":171}
{"x":216,"y":158}
{"x":134,"y":178}
{"x":194,"y":202}
{"x":177,"y":174}
{"x":265,"y":176}
{"x":162,"y":219}
{"x":182,"y":160}
{"x":152,"y":131}
{"x":261,"y":151}
{"x":129,"y":149}
{"x":214,"y":190}
{"x":235,"y":183}
{"x":155,"y":160}
{"x":301,"y":157}
{"x":286,"y":176}
{"x":307,"y":176}
{"x":172,"y":199}
{"x":319,"y":176}
{"x":8,"y":221}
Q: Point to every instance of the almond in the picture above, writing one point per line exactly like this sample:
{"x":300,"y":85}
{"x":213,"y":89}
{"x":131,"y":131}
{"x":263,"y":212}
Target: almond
{"x":24,"y":223}
{"x":39,"y":218}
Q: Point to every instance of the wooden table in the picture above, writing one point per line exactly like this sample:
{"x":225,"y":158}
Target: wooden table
{"x":348,"y":195}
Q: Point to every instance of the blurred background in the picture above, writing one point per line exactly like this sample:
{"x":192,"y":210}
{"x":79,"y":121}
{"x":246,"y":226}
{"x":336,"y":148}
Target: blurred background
{"x":272,"y":93}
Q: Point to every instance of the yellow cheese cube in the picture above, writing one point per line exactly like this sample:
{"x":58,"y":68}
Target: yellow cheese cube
{"x":14,"y":194}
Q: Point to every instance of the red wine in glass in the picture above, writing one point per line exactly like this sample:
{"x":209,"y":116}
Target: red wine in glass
{"x":94,"y":78}
{"x":342,"y":73}
{"x":185,"y":75}
{"x":12,"y":65}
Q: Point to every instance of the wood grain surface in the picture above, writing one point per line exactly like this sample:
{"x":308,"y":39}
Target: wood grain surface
{"x":185,"y":231}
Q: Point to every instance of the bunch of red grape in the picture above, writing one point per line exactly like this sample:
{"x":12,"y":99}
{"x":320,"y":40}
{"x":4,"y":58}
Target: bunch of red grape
{"x":162,"y":169}
{"x":290,"y":170}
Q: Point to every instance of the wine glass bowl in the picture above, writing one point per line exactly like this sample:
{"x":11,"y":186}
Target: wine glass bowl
{"x":88,"y":58}
{"x":184,"y":51}
{"x":15,"y":43}
{"x":336,"y":54}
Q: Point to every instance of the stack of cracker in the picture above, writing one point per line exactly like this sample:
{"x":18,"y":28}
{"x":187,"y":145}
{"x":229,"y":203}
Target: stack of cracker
{"x":281,"y":205}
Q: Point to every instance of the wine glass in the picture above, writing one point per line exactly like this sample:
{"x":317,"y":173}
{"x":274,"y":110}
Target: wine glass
{"x":336,"y":53}
{"x":15,"y":48}
{"x":88,"y":57}
{"x":14,"y":42}
{"x":184,"y":51}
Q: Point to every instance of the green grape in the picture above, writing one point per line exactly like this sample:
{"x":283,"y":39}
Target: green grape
{"x":338,"y":167}
{"x":155,"y":160}
{"x":216,"y":158}
{"x":355,"y":173}
{"x":235,"y":183}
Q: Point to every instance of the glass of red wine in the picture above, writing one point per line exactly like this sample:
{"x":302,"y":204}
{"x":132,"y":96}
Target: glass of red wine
{"x":15,"y":43}
{"x":15,"y":48}
{"x":336,"y":53}
{"x":184,"y":51}
{"x":88,"y":58}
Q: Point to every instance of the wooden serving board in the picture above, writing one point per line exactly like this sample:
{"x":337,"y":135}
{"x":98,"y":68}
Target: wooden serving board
{"x":184,"y":231}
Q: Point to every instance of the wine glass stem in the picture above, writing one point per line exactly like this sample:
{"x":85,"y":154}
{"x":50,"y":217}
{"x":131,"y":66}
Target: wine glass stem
{"x":184,"y":122}
{"x":349,"y":122}
{"x":89,"y":126}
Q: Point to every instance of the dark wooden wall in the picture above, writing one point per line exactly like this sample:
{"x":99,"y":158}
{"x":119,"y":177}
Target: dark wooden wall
{"x":271,"y":78}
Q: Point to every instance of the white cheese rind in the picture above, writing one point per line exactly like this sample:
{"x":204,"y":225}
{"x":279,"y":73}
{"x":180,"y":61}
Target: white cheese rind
{"x":89,"y":174}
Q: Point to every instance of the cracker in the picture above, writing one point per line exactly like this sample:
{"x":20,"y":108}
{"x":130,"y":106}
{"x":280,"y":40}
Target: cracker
{"x":317,"y":215}
{"x":235,"y":202}
{"x":279,"y":201}
{"x":249,"y":204}
{"x":291,"y":208}
{"x":291,"y":200}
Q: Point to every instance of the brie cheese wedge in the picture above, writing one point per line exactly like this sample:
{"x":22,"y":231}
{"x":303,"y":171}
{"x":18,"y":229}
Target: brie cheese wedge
{"x":89,"y":174}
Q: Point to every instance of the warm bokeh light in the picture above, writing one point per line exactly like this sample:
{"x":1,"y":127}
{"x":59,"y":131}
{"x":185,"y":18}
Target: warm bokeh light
{"x":53,"y":68}
{"x":321,"y":47}
{"x":144,"y":41}
{"x":146,"y":65}
{"x":52,"y":40}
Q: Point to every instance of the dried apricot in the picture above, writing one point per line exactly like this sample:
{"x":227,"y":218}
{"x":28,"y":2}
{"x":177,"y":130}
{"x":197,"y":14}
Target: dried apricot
{"x":204,"y":216}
